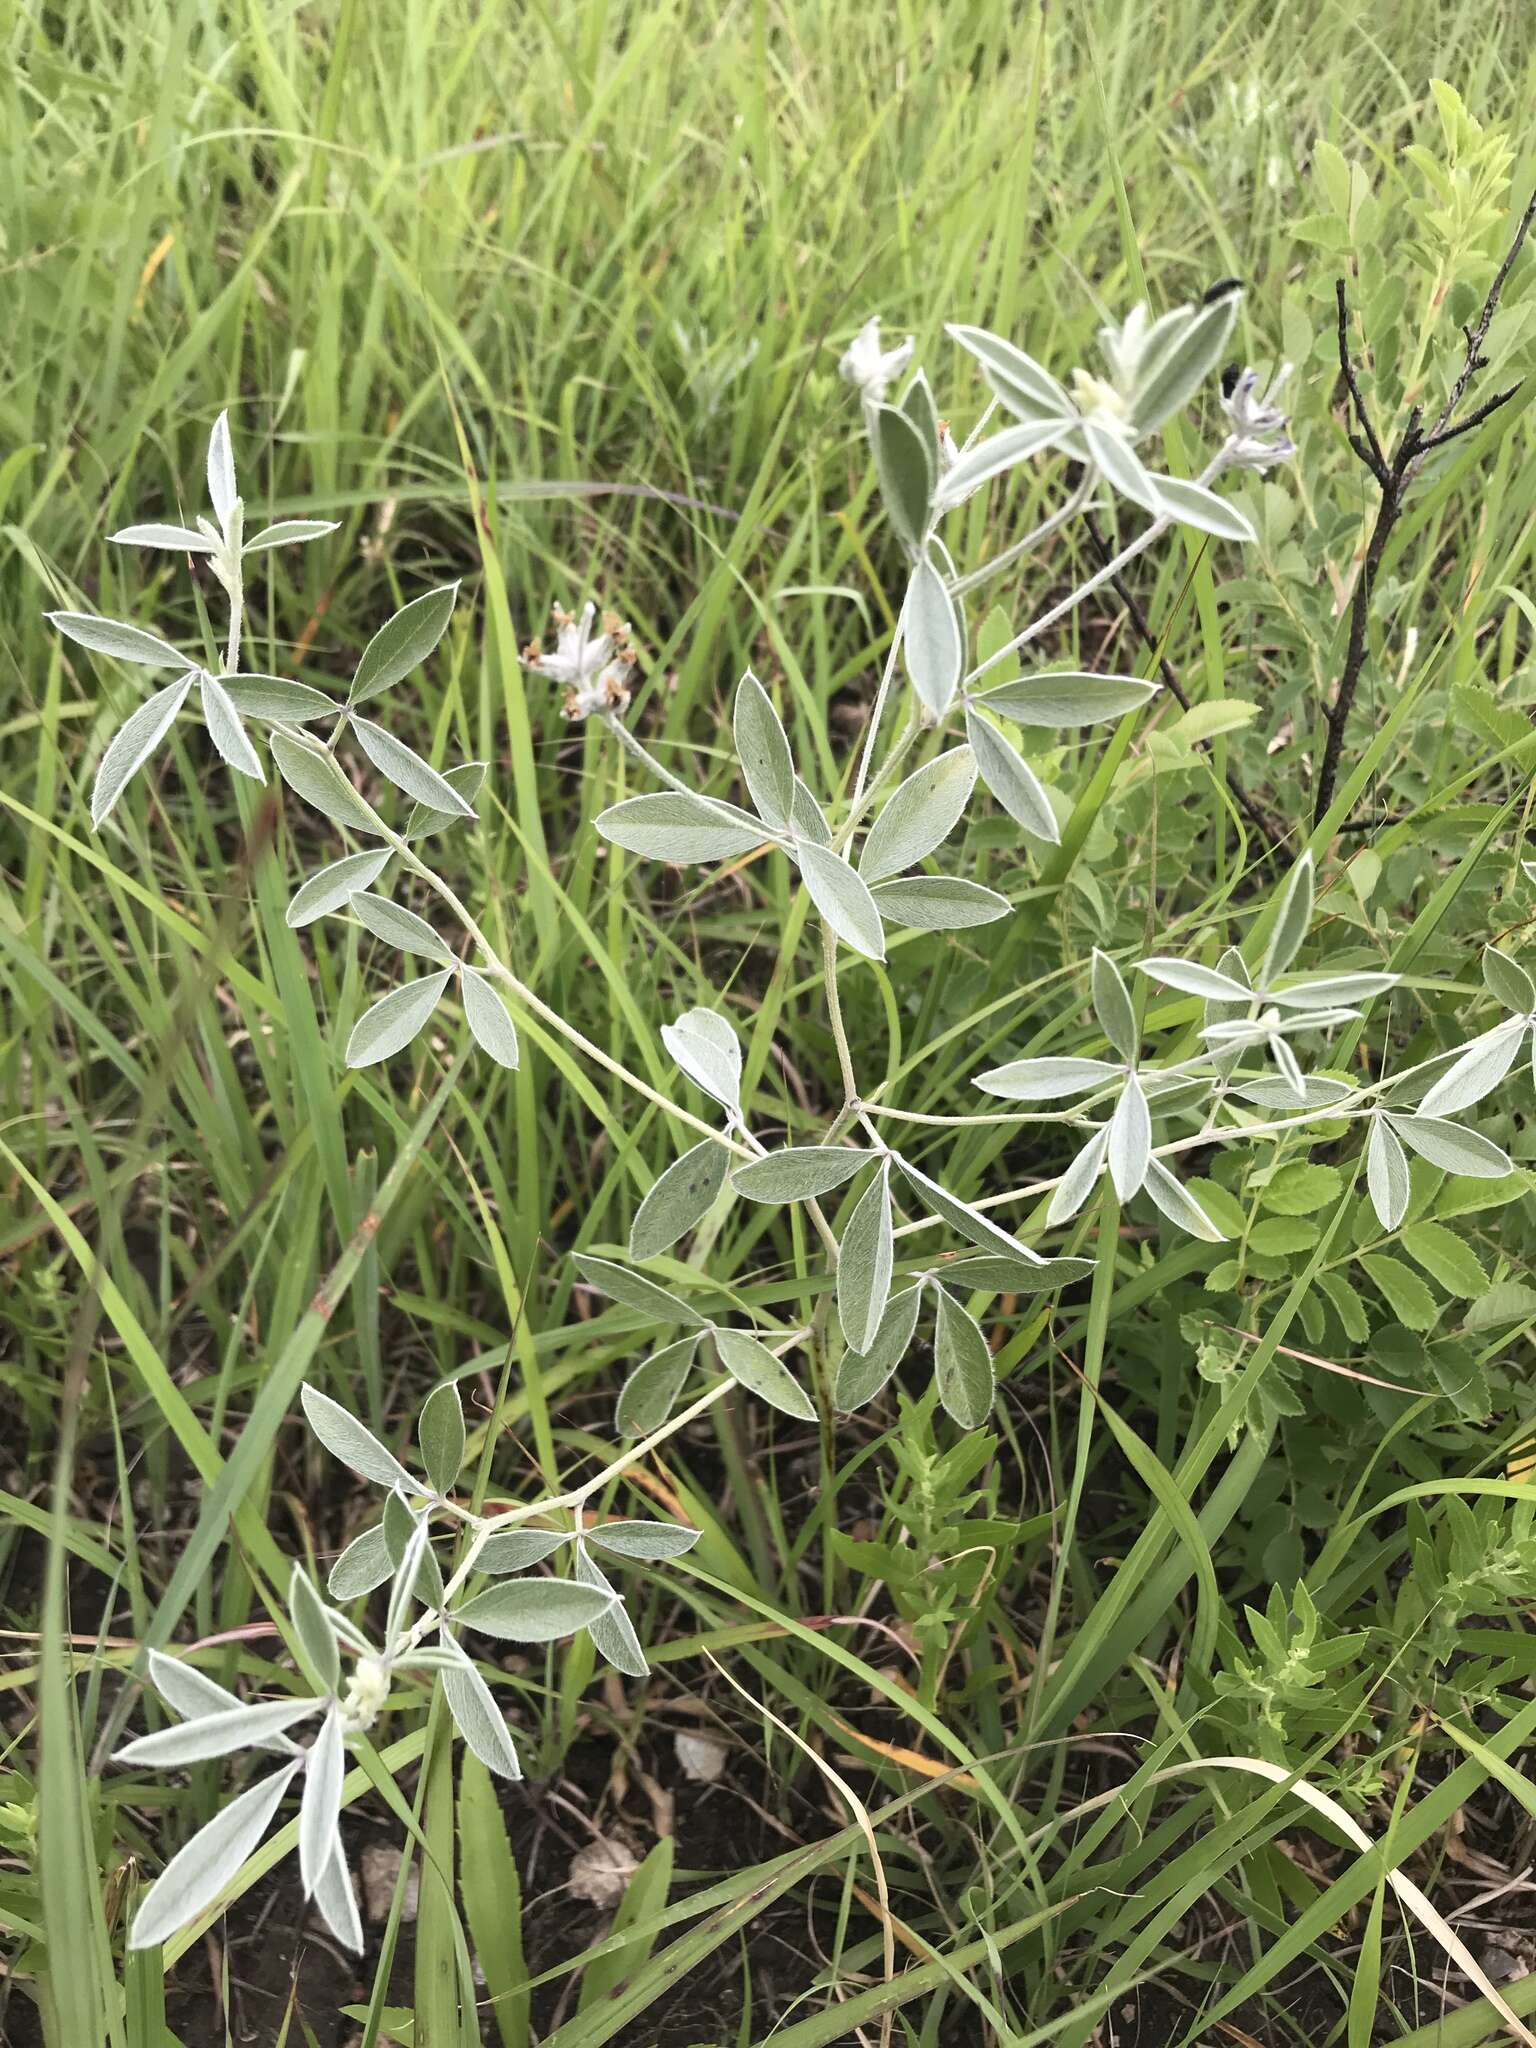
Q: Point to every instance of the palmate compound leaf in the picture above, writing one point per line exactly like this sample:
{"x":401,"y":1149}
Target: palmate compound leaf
{"x":1183,"y":349}
{"x":486,"y":1014}
{"x":336,"y":1900}
{"x":1130,"y":1139}
{"x":154,"y":533}
{"x":865,"y":1261}
{"x":843,"y":899}
{"x":533,"y":1610}
{"x":329,"y":888}
{"x":752,"y":1365}
{"x":190,"y":1692}
{"x":1478,"y":1071}
{"x":362,"y":1566}
{"x":919,"y":816}
{"x":1028,"y":390}
{"x":1179,"y":1205}
{"x":221,"y":1734}
{"x":932,"y":640}
{"x":1113,"y":1007}
{"x":389,"y":1025}
{"x":407,"y":771}
{"x":313,"y":772}
{"x":351,"y":1441}
{"x":1009,"y":1276}
{"x":222,"y":489}
{"x":905,"y":466}
{"x":861,"y":1375}
{"x":634,"y":1291}
{"x":515,"y":1550}
{"x":1191,"y":504}
{"x":1293,"y":920}
{"x":318,"y":1652}
{"x":227,"y":730}
{"x":1119,"y":464}
{"x":679,"y":1198}
{"x":707,"y":1049}
{"x":1011,"y":780}
{"x":403,"y":643}
{"x":612,"y":1632}
{"x":992,"y":457}
{"x":666,"y":825}
{"x":1047,"y":1080}
{"x":284,"y":533}
{"x":276,"y":698}
{"x":1076,"y":1184}
{"x":650,"y":1393}
{"x":762,"y":747}
{"x":962,"y":1364}
{"x":1508,"y":983}
{"x":117,"y":639}
{"x":649,"y":1542}
{"x":198,"y":1873}
{"x":476,"y":1715}
{"x":466,"y":781}
{"x":133,"y":743}
{"x":1451,"y":1148}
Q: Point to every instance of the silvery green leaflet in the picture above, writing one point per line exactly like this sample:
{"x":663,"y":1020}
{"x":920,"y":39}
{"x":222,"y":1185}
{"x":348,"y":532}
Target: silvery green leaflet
{"x":1155,"y":1061}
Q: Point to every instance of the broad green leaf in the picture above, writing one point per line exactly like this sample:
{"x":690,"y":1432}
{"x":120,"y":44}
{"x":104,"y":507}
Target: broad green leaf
{"x":123,"y":642}
{"x":1446,"y":1258}
{"x":920,"y":815}
{"x":1027,"y":390}
{"x":440,"y":1436}
{"x":196,"y":1875}
{"x":843,"y":899}
{"x":938,"y":903}
{"x":407,"y":771}
{"x":679,"y":1198}
{"x":1406,"y":1295}
{"x":962,"y":1364}
{"x":1061,"y":698}
{"x":752,"y":1365}
{"x":389,"y":1025}
{"x":466,"y":781}
{"x":1112,"y":1006}
{"x":861,"y":1375}
{"x":906,"y":471}
{"x":932,"y":640}
{"x":635,"y":1291}
{"x":226,"y":730}
{"x":133,"y":743}
{"x":328,"y":888}
{"x":275,"y":698}
{"x":486,"y":1014}
{"x":1510,"y":1302}
{"x":670,"y":826}
{"x":363,"y":1565}
{"x":645,"y":1540}
{"x":1011,"y":780}
{"x":865,"y":1260}
{"x":532,"y":1610}
{"x":650,"y":1393}
{"x":312,"y":772}
{"x":1048,"y":1080}
{"x":398,"y":926}
{"x":351,"y":1441}
{"x":403,"y":643}
{"x":1452,"y":1148}
{"x":707,"y":1049}
{"x":762,"y":747}
{"x":221,"y":1734}
{"x":798,"y":1173}
{"x":1293,"y":919}
{"x":317,"y":1639}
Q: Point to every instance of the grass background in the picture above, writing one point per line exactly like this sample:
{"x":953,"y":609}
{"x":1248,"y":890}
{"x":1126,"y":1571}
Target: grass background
{"x":551,"y":299}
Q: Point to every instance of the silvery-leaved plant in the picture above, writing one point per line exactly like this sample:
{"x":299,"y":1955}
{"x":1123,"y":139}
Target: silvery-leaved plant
{"x":875,"y":856}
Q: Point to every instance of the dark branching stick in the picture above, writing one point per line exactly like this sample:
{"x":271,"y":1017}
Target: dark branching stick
{"x":1394,"y":473}
{"x":1269,"y":830}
